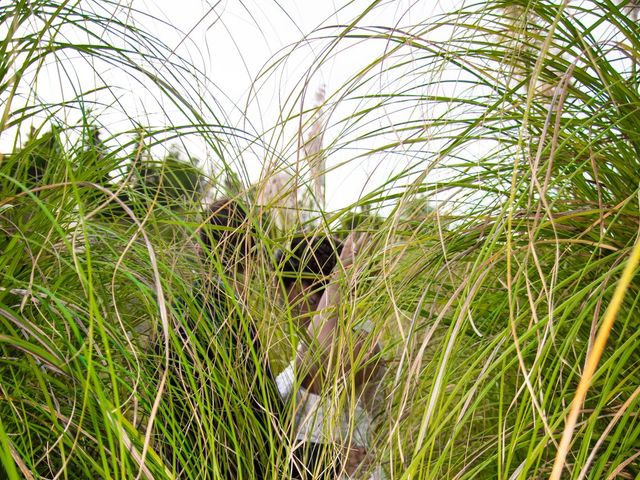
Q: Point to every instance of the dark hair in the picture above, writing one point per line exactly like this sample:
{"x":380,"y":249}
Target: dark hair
{"x":223,"y":229}
{"x":310,"y":257}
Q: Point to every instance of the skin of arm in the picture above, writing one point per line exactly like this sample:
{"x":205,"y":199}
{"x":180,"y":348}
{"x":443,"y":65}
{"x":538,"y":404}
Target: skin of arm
{"x":322,"y":355}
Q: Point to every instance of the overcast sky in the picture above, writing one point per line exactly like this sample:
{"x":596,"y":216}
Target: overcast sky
{"x":233,"y":41}
{"x":252,"y":55}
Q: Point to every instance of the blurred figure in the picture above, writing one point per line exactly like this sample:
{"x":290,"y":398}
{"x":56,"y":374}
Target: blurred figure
{"x":331,"y":440}
{"x":221,"y":393}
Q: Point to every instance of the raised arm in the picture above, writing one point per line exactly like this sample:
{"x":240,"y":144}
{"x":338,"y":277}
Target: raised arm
{"x":321,"y":356}
{"x":322,"y":328}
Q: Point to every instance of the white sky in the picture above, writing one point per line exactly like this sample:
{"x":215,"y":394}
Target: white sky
{"x":231,"y":42}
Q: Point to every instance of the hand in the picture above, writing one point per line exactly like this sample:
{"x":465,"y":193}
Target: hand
{"x":352,"y":245}
{"x":355,"y":457}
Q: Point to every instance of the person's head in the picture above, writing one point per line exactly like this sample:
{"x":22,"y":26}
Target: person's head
{"x":305,"y":269}
{"x":226,"y":233}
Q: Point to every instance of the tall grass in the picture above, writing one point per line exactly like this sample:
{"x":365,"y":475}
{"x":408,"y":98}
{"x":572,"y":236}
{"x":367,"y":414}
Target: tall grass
{"x":507,"y":310}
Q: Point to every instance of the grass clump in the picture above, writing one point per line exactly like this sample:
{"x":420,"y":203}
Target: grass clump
{"x":500,"y":272}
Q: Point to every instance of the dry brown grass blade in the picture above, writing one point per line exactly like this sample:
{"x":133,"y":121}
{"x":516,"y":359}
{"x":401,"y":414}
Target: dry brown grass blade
{"x":620,"y":467}
{"x":21,"y":465}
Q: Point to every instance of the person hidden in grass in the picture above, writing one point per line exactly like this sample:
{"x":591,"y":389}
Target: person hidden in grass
{"x":332,"y":430}
{"x":221,"y":419}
